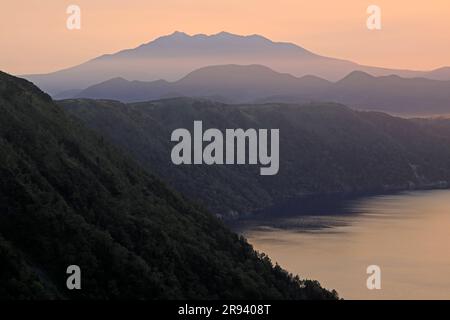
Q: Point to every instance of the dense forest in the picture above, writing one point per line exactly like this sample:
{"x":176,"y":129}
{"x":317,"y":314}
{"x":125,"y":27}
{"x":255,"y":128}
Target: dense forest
{"x":69,"y":197}
{"x":325,"y":148}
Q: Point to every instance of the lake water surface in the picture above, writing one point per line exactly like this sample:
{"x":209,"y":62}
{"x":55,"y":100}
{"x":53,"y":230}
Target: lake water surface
{"x":407,"y":235}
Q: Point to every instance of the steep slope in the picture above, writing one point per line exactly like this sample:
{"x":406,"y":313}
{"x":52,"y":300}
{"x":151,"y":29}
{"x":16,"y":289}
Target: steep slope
{"x":173,"y":56}
{"x":324,"y":148}
{"x":68,"y":197}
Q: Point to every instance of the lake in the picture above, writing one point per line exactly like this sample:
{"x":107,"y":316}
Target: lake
{"x":334,"y":240}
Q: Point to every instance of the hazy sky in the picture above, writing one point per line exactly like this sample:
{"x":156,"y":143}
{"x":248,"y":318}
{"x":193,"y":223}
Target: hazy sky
{"x":415,"y":33}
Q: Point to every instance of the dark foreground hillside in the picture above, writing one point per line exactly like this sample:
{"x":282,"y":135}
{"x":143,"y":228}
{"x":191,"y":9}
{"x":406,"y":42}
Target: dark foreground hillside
{"x":324,"y":149}
{"x":68,"y":197}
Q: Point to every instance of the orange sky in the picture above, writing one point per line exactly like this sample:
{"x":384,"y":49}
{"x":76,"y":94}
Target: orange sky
{"x":415,"y":34}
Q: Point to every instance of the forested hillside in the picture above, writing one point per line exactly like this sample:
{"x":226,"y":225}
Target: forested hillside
{"x":68,"y":197}
{"x":324,"y":149}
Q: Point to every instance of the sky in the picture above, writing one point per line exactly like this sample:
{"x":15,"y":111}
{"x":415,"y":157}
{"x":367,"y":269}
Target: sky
{"x":415,"y":34}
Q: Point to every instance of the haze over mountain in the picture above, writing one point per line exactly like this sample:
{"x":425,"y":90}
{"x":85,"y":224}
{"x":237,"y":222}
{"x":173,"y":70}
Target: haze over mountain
{"x":227,"y":82}
{"x":324,"y":149}
{"x":256,"y":83}
{"x":173,"y":56}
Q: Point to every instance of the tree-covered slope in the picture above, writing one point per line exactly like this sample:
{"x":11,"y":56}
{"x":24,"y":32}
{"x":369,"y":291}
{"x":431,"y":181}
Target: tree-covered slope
{"x":68,"y":197}
{"x":324,"y":148}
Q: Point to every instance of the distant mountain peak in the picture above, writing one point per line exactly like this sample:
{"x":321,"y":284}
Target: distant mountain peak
{"x":117,"y":80}
{"x":221,"y":34}
{"x":221,"y":41}
{"x":202,"y":36}
{"x":356,"y":76}
{"x":174,"y":55}
{"x":445,"y":68}
{"x":179,"y":34}
{"x":224,"y":34}
{"x":232,"y":71}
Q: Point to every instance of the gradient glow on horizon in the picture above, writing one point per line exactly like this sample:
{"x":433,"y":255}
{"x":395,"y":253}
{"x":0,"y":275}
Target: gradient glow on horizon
{"x":415,"y":34}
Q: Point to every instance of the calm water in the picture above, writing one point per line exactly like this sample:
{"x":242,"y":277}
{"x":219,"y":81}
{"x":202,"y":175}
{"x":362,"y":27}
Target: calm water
{"x":407,"y":235}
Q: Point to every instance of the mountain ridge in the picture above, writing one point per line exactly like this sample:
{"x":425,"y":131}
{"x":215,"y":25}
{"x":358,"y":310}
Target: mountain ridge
{"x":258,"y":83}
{"x":173,"y":56}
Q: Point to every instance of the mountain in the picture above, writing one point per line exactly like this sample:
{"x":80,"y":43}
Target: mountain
{"x":392,"y":94}
{"x":68,"y":197}
{"x":256,"y":83}
{"x":324,"y":149}
{"x":121,"y":89}
{"x":232,"y":83}
{"x":438,"y":74}
{"x":173,"y":56}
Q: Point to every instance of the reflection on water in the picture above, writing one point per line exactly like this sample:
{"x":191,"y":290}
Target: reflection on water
{"x":407,"y":235}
